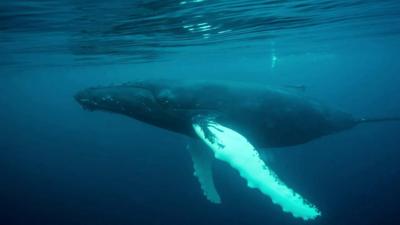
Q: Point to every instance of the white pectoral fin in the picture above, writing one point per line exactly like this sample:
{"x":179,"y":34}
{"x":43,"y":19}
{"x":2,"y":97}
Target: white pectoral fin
{"x":233,"y":148}
{"x":202,"y":163}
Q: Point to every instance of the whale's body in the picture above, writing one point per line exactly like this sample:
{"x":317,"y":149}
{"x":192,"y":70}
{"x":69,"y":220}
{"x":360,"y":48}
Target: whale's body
{"x":233,"y":120}
{"x":268,"y":117}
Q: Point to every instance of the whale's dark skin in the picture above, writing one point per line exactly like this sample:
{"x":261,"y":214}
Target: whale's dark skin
{"x":266,"y":116}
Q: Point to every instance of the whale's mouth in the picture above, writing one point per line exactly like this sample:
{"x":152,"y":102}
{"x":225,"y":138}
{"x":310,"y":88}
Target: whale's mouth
{"x":86,"y":101}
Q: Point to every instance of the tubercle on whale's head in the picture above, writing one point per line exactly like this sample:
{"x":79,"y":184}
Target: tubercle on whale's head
{"x":148,"y":102}
{"x":115,"y":98}
{"x":125,"y":99}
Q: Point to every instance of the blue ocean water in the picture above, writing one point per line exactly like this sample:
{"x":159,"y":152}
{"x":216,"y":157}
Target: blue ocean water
{"x":62,"y":165}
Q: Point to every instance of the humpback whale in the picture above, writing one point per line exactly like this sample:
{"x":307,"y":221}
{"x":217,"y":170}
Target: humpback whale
{"x":233,"y":120}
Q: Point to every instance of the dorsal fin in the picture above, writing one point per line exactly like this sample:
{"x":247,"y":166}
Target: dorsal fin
{"x":376,"y":120}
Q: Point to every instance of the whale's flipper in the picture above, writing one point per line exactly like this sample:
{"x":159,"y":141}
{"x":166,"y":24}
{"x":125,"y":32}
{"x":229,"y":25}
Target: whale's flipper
{"x":233,"y":148}
{"x":202,"y":160}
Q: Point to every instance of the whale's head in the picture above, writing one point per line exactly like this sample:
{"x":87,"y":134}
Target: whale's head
{"x":148,"y":102}
{"x":119,"y":99}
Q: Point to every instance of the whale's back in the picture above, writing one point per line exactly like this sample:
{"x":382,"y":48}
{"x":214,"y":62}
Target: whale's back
{"x":273,"y":117}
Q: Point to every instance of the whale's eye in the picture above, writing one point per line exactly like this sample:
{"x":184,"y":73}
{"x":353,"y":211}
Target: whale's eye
{"x":165,"y":98}
{"x":163,"y":101}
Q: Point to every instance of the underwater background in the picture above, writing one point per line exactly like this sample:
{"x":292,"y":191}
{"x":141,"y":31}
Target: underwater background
{"x":62,"y":165}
